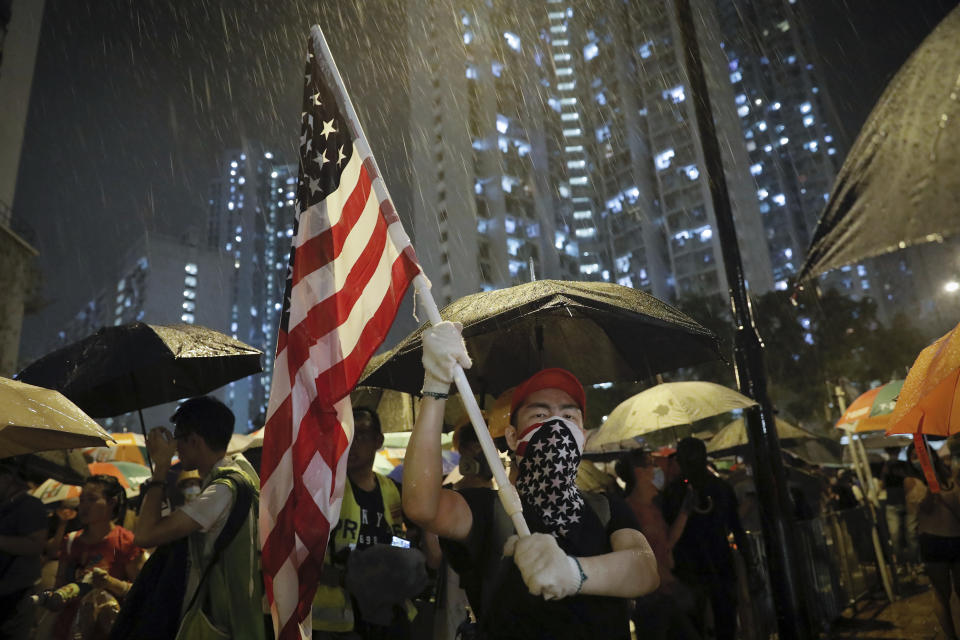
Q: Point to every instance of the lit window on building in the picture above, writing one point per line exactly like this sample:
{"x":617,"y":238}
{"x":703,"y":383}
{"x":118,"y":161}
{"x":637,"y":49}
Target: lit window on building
{"x":781,"y":285}
{"x":471,"y":72}
{"x":496,"y":68}
{"x":467,"y":37}
{"x":190,"y":294}
{"x":779,"y":199}
{"x":751,"y":146}
{"x":812,"y":145}
{"x":590,"y":51}
{"x":662,"y":159}
{"x":579,"y":181}
{"x":743,"y":111}
{"x":762,"y":125}
{"x":675,"y":94}
{"x":190,"y":281}
{"x":566,"y":86}
{"x":783,"y":25}
{"x":646,"y":49}
{"x":576,"y":164}
{"x":756,"y":169}
{"x":602,"y":133}
{"x":588,"y":232}
{"x":589,"y":269}
{"x":805,"y":107}
{"x":558,"y":28}
{"x":705,"y":234}
{"x":569,"y":116}
{"x":572,"y":133}
{"x":513,"y":40}
{"x":808,"y":121}
{"x":561,"y":57}
{"x":762,"y":194}
{"x":564,"y":71}
{"x":561,"y":43}
{"x":736,"y":77}
{"x":784,"y":140}
{"x":189,"y":306}
{"x":768,"y":148}
{"x":503,"y":123}
{"x":831,"y":151}
{"x":741,"y":99}
{"x":574,"y":149}
{"x":187,"y":317}
{"x":692,"y":171}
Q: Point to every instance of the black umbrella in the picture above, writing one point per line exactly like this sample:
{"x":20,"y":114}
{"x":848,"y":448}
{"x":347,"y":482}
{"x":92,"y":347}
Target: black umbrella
{"x":601,"y":332}
{"x":900,"y":184}
{"x":134,"y":366}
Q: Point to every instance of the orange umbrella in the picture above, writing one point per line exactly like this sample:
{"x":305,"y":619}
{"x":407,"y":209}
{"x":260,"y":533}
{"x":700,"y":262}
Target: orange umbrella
{"x":871,"y":410}
{"x":930,"y":392}
{"x":130,"y":447}
{"x":929,"y":395}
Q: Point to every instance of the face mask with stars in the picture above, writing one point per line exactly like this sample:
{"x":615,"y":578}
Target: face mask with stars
{"x":549,"y":456}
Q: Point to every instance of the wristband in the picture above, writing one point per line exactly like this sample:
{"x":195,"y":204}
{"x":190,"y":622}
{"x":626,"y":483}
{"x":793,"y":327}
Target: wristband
{"x":435,"y":395}
{"x":583,"y":576}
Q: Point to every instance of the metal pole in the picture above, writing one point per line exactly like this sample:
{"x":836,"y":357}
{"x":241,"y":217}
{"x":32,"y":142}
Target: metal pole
{"x":506,"y":491}
{"x":771,"y":482}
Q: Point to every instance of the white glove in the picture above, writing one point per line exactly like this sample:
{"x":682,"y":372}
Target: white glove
{"x":443,"y":347}
{"x":545,"y":568}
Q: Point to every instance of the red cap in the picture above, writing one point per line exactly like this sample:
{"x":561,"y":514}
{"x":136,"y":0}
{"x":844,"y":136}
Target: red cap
{"x":550,"y":379}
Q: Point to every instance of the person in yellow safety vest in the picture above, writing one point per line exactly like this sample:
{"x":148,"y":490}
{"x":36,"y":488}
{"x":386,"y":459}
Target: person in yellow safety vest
{"x":370,"y":514}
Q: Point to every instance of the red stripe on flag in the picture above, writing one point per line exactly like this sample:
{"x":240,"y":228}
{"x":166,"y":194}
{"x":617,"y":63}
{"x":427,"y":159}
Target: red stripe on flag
{"x":329,"y":314}
{"x":277,"y":436}
{"x":326,"y":246}
{"x":340,"y":379}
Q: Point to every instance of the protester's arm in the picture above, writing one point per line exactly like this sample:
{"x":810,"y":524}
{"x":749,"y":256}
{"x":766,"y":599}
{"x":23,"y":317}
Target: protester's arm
{"x":152,"y":528}
{"x":680,"y":522}
{"x":629,"y":571}
{"x":436,"y":510}
{"x":439,"y":511}
{"x":64,"y":515}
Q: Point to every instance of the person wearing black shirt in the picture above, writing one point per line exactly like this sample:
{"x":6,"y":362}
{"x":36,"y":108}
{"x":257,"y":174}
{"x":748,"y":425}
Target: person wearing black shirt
{"x":702,"y":556}
{"x":573,"y":576}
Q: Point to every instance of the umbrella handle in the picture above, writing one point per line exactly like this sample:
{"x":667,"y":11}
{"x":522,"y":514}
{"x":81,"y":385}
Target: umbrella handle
{"x":506,"y":491}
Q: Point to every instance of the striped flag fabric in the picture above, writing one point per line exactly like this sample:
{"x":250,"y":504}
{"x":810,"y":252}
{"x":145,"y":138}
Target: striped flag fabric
{"x":350,"y":265}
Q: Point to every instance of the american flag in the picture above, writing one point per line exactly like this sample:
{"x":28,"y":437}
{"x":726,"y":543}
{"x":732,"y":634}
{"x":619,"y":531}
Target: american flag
{"x":350,"y":266}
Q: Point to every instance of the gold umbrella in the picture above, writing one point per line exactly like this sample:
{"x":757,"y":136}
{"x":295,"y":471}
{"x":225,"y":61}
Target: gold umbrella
{"x":37,"y":419}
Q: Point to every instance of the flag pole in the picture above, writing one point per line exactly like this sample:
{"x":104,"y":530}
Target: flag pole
{"x":508,"y":494}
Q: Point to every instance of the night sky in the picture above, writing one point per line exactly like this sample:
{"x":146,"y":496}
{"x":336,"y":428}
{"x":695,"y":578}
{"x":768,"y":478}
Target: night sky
{"x":133,"y":101}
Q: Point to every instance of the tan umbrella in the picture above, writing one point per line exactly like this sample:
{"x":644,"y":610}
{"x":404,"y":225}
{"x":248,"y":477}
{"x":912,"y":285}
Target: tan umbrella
{"x":735,"y":435}
{"x":37,"y":419}
{"x":666,"y":405}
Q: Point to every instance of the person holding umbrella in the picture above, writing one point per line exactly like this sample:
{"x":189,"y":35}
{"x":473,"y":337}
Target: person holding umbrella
{"x":573,"y":576}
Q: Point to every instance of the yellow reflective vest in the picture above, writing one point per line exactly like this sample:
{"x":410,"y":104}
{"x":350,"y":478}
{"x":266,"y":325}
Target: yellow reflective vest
{"x":332,"y":608}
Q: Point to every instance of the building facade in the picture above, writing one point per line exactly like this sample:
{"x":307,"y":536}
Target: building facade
{"x":251,"y":213}
{"x":161,"y":280}
{"x":485,"y":199}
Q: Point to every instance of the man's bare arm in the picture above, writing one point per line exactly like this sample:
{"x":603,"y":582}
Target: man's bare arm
{"x":629,"y":571}
{"x":435,"y":509}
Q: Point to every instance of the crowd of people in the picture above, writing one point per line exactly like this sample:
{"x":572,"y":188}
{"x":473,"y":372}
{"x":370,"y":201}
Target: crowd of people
{"x":663,"y":553}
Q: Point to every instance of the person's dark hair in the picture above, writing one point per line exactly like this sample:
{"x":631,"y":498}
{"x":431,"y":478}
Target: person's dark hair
{"x":208,"y":418}
{"x":370,"y":413}
{"x":112,"y":490}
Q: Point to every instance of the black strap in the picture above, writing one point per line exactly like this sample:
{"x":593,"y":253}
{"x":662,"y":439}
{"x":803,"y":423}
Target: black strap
{"x":238,"y":514}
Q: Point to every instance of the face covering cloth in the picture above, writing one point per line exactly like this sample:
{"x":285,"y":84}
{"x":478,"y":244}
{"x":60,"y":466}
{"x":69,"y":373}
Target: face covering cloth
{"x":549,"y":457}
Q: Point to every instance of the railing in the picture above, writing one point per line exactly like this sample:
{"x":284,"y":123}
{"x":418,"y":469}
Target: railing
{"x":836,"y":568}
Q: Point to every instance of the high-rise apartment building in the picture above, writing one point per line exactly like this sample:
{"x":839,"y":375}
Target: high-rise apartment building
{"x":485,"y":200}
{"x":251,"y":212}
{"x":160,"y":280}
{"x":787,"y":121}
{"x":640,"y":202}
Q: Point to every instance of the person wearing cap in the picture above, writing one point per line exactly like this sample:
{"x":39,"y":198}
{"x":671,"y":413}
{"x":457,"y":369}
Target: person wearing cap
{"x":574,"y":575}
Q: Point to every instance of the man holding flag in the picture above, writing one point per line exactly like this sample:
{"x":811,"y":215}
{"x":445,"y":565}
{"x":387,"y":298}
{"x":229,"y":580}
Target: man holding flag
{"x":350,"y":266}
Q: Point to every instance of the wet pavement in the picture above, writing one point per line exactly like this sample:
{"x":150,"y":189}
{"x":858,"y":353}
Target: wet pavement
{"x":911,"y":617}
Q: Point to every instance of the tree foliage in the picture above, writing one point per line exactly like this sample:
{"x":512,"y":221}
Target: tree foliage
{"x":811,"y":346}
